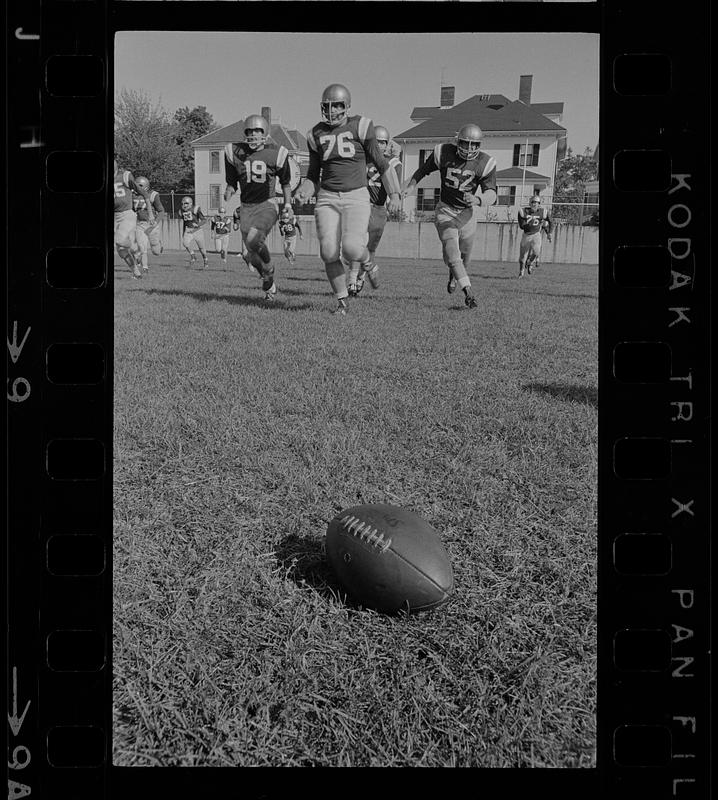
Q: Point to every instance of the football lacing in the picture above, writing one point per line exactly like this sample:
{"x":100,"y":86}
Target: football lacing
{"x":364,"y":532}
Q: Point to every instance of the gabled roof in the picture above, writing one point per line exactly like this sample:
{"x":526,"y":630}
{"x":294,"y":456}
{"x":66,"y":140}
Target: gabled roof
{"x":547,"y":108}
{"x":292,"y":140}
{"x":514,"y":116}
{"x":426,"y":112}
{"x":513,"y":173}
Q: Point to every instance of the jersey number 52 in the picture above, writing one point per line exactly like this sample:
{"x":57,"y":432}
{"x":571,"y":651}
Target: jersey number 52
{"x":453,"y":175}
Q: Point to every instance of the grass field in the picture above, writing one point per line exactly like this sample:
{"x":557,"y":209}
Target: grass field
{"x":241,"y":429}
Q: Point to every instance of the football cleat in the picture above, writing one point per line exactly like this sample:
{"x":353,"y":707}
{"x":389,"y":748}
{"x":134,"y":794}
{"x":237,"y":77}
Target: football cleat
{"x":352,"y":289}
{"x":341,"y":309}
{"x":373,"y":275}
{"x":335,"y":104}
{"x":468,"y":141}
{"x":359,"y":285}
{"x":136,"y":272}
{"x":256,"y":131}
{"x":451,"y":285}
{"x":470,"y":301}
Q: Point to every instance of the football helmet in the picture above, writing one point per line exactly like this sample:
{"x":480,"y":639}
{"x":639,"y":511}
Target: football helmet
{"x":535,"y":201}
{"x":186,"y":203}
{"x":285,"y":215}
{"x":222,"y":210}
{"x":468,"y":141}
{"x":256,"y":131}
{"x":335,"y":104}
{"x":143,"y":183}
{"x":381,"y":134}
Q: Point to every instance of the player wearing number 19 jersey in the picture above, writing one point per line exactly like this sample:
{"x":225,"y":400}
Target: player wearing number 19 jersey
{"x":468,"y":179}
{"x":254,"y":167}
{"x":340,"y":147}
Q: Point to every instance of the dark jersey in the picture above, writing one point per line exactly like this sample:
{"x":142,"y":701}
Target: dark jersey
{"x":458,"y":175}
{"x":289,"y":229}
{"x":339,"y":154}
{"x":256,"y":171}
{"x":192,"y":219}
{"x":532,"y":221}
{"x":221,"y":224}
{"x":140,"y":205}
{"x":124,"y":187}
{"x":377,"y":190}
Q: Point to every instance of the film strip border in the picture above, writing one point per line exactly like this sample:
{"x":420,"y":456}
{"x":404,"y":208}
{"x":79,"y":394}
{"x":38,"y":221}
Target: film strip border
{"x":653,"y":491}
{"x":59,"y":390}
{"x":654,"y":523}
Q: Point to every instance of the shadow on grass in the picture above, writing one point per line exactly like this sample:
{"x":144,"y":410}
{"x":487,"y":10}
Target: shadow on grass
{"x":562,"y":391}
{"x":234,"y":300}
{"x":305,"y":563}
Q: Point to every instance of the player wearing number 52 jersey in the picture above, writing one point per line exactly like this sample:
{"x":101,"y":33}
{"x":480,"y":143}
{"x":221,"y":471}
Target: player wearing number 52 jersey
{"x":340,"y":147}
{"x":378,"y":216}
{"x":468,"y":179}
{"x":253,"y":166}
{"x":126,"y":218}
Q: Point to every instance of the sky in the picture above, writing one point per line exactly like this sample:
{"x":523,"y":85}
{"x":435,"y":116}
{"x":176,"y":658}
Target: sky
{"x":235,"y":74}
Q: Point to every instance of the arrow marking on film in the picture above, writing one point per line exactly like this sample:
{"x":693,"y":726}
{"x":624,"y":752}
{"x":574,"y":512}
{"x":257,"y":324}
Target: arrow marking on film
{"x":14,"y":720}
{"x":13,"y":346}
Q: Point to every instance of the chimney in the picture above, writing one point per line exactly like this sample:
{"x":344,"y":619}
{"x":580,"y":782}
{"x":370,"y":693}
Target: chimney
{"x":447,"y":96}
{"x":267,"y":113}
{"x":525,"y":89}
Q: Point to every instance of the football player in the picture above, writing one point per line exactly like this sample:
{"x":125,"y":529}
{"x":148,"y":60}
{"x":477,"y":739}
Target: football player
{"x":378,"y":216}
{"x":339,"y":148}
{"x":126,"y":219}
{"x":220,"y":227}
{"x":254,"y":166}
{"x":289,"y":227}
{"x":468,"y":179}
{"x":533,"y":219}
{"x":244,"y":253}
{"x":192,"y":221}
{"x":148,"y":233}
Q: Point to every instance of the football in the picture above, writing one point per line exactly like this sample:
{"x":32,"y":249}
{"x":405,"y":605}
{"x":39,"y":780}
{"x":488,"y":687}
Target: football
{"x":389,"y":559}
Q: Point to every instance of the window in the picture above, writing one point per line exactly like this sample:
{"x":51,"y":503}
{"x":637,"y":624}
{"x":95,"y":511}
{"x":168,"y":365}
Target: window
{"x":506,"y":195}
{"x":426,"y":199}
{"x":214,"y":161}
{"x":526,"y":155}
{"x":214,"y":190}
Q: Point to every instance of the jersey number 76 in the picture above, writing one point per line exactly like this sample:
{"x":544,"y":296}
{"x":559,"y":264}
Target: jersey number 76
{"x":345,"y":147}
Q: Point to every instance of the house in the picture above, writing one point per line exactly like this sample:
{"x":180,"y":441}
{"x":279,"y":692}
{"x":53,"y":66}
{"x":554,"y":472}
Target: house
{"x":209,"y":177}
{"x":526,"y":139}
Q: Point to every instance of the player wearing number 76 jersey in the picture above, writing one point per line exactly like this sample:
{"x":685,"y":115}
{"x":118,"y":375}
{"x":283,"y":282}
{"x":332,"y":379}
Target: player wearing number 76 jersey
{"x":468,"y":179}
{"x":340,"y":147}
{"x":254,"y":167}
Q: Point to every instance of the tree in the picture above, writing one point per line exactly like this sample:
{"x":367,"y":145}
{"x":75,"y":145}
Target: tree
{"x":573,"y":171}
{"x":145,"y":140}
{"x":571,"y":175}
{"x":190,"y":124}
